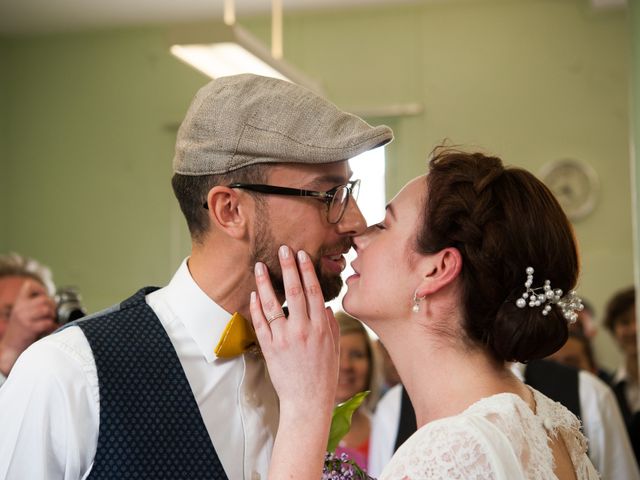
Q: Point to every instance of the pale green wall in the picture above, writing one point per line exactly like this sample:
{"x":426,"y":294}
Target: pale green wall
{"x":4,"y":121}
{"x":91,"y":138}
{"x":635,"y":132}
{"x":531,"y":80}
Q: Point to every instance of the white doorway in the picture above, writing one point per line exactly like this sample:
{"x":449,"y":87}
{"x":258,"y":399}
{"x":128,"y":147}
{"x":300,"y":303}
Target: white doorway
{"x":369,"y":167}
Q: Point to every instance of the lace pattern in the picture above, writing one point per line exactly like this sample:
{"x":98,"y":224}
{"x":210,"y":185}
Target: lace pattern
{"x":498,"y":438}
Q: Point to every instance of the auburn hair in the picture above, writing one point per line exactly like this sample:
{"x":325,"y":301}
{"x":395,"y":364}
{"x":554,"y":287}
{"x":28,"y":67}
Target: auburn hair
{"x":501,"y":220}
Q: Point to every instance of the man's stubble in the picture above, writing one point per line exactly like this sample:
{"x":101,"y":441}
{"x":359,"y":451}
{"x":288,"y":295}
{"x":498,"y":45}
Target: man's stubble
{"x":265,"y":250}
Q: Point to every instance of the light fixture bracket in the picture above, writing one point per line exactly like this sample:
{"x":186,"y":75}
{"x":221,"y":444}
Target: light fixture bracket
{"x":206,"y":47}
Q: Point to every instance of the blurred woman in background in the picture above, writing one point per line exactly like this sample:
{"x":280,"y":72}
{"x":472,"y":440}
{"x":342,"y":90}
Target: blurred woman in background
{"x":357,"y":374}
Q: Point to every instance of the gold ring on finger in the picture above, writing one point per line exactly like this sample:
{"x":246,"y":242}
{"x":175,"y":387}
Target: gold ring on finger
{"x":275,"y":316}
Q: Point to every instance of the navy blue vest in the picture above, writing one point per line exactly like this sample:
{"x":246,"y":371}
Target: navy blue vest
{"x":150,"y":424}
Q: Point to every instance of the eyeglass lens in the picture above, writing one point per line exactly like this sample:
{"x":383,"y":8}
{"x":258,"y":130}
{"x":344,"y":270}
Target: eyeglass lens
{"x":339,"y":202}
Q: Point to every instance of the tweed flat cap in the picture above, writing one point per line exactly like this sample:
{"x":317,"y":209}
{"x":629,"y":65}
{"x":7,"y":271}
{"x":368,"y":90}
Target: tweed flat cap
{"x":247,"y":119}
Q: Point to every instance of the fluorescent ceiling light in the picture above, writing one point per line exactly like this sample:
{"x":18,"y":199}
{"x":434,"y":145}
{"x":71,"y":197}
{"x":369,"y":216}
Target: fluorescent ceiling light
{"x":220,"y":50}
{"x":223,"y":59}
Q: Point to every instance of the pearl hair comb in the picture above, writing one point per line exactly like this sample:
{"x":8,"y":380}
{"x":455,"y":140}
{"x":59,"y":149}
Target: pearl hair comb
{"x":569,"y":304}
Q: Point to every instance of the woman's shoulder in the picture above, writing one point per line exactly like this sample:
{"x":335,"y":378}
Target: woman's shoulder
{"x":496,"y":437}
{"x":510,"y":409}
{"x":461,"y":446}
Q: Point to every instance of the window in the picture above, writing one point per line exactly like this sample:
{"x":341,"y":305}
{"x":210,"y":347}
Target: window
{"x":370,"y":168}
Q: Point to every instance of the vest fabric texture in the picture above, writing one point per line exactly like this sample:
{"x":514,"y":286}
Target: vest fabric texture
{"x":150,"y":423}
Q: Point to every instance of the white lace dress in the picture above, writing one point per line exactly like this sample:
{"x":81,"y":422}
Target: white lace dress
{"x":498,"y":437}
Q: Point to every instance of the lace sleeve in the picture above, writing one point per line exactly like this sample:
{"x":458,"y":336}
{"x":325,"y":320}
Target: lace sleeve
{"x":443,"y":449}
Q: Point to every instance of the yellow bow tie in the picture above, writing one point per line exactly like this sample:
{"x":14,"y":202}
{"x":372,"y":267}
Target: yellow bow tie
{"x":238,"y":337}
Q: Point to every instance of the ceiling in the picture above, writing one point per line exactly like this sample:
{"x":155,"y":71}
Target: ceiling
{"x":44,"y":16}
{"x":40,"y":16}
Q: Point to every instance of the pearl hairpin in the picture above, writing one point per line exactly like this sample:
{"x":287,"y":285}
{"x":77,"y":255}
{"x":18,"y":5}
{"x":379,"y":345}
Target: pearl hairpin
{"x":546,"y":296}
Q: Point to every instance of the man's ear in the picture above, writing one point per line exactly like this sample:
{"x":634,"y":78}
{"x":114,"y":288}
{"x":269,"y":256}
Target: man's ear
{"x":440,"y":270}
{"x":227,"y":212}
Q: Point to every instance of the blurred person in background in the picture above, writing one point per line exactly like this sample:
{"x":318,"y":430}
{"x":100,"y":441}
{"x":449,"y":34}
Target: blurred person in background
{"x":586,"y":323}
{"x":576,"y":352}
{"x":620,"y":320}
{"x":27,"y":310}
{"x":390,"y":376}
{"x":358,"y":373}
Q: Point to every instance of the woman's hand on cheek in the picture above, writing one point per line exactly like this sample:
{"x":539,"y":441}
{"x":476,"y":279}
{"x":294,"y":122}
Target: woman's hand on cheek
{"x":301,"y":350}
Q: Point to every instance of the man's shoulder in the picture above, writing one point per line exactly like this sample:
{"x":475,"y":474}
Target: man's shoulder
{"x":57,"y":359}
{"x":135,"y":300}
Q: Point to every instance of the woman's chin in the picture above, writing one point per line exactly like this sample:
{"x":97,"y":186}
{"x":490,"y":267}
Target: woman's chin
{"x":347,"y":304}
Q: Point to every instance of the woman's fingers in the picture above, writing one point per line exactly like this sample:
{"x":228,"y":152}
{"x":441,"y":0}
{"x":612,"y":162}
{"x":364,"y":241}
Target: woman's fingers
{"x":312,"y":290}
{"x":335,"y":329}
{"x":293,"y":290}
{"x":302,"y":292}
{"x":269,"y":303}
{"x":260,"y":324}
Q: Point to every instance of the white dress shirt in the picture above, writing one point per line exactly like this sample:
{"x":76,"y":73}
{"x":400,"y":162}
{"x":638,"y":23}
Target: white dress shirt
{"x":49,"y":405}
{"x":609,"y":446}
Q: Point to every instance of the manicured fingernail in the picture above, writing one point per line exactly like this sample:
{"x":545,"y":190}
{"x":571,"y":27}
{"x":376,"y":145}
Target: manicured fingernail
{"x":260,"y":269}
{"x":284,"y":251}
{"x":253,"y":297}
{"x":302,"y":256}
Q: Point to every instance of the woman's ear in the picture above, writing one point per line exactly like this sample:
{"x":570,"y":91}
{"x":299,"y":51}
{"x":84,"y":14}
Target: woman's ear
{"x":227,"y":212}
{"x":440,"y":270}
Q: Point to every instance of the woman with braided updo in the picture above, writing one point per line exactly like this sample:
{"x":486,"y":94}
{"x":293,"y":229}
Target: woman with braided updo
{"x":472,"y":267}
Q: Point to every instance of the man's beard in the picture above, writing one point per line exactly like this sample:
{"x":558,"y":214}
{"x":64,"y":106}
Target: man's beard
{"x":265,"y":250}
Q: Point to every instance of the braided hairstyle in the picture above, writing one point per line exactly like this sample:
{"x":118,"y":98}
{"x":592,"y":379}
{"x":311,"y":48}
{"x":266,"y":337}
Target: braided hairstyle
{"x":502,"y":220}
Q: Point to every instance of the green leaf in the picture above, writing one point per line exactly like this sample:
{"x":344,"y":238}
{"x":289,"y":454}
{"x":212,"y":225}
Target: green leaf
{"x":341,"y":421}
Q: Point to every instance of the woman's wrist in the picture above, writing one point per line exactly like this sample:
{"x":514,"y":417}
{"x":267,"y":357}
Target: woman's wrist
{"x":295,"y":410}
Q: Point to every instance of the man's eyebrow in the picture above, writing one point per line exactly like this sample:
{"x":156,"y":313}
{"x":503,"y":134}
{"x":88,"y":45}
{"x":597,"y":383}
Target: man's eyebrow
{"x":329,"y":178}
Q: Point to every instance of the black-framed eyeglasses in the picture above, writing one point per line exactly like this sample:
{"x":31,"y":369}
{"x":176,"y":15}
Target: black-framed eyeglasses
{"x":336,"y":199}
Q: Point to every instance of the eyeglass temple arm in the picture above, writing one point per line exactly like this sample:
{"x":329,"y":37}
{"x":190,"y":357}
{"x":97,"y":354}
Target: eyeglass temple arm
{"x":282,"y":190}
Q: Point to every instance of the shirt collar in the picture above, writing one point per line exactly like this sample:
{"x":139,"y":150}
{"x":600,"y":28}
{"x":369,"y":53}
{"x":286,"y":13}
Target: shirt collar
{"x":620,"y":375}
{"x":518,"y":369}
{"x":203,"y":318}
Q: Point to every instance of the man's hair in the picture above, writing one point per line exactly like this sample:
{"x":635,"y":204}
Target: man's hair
{"x":191,"y":192}
{"x":617,"y":306}
{"x":15,"y":265}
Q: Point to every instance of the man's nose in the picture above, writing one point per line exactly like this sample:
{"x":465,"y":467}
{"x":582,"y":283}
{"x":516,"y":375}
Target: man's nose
{"x":352,"y":222}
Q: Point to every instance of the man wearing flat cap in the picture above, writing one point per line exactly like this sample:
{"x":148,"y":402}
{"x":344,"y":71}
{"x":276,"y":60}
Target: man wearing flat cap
{"x":170,"y":383}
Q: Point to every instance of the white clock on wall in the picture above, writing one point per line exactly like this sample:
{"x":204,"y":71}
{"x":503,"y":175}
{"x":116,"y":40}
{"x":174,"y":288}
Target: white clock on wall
{"x":574,"y":183}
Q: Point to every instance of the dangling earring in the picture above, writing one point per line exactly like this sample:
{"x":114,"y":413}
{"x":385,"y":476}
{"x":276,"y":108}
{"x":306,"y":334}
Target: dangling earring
{"x":416,"y":302}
